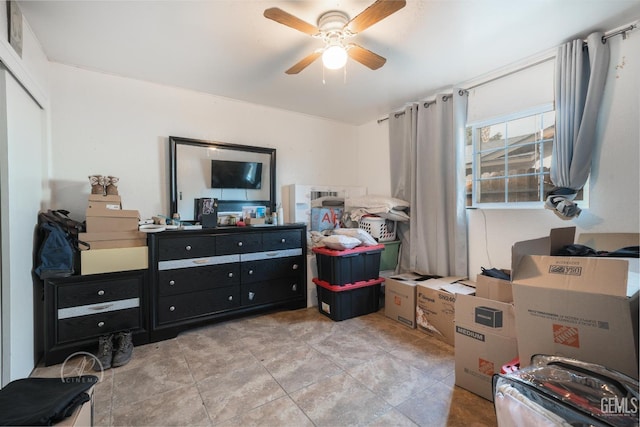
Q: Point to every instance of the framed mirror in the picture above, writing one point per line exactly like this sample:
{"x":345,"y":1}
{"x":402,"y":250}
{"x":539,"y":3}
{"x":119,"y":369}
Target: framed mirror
{"x":236,"y":175}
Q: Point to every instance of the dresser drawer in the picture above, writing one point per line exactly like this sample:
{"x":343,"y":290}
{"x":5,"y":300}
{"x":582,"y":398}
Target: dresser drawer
{"x":81,"y":327}
{"x":186,"y":306}
{"x":183,"y":280}
{"x":239,"y":243}
{"x":266,"y":269}
{"x":270,"y":291}
{"x":274,"y":240}
{"x":98,"y":291}
{"x":186,"y":247}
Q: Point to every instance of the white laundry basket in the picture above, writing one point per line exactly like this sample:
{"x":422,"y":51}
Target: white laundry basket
{"x":381,"y":229}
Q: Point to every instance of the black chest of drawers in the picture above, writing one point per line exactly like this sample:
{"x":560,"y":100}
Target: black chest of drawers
{"x":79,"y":309}
{"x":201,"y":276}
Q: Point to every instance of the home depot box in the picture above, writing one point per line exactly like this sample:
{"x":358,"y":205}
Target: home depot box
{"x":435,"y":306}
{"x":581,"y":307}
{"x":98,"y":261}
{"x":493,"y":288}
{"x":325,"y":218}
{"x":400,"y":299}
{"x":485,"y":339}
{"x":102,"y":219}
{"x":113,"y":239}
{"x":97,"y":201}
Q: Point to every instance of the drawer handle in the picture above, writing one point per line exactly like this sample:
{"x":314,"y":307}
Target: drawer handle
{"x":230,"y":297}
{"x":100,"y":292}
{"x":101,"y":307}
{"x":294,"y":287}
{"x":251,"y":296}
{"x":295,"y":266}
{"x":250,"y":272}
{"x":188,"y":247}
{"x":230,"y":274}
{"x":239,"y":243}
{"x":100,"y":324}
{"x":172,"y":282}
{"x":283,"y":240}
{"x":172,"y":308}
{"x":201,"y":261}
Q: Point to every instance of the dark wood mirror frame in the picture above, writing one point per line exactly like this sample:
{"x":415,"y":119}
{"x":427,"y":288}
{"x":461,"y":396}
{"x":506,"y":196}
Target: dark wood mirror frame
{"x":234,"y":149}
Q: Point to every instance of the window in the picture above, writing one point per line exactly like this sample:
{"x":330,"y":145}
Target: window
{"x":508,"y":160}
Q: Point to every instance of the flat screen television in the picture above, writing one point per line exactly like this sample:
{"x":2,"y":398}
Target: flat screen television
{"x":233,"y":174}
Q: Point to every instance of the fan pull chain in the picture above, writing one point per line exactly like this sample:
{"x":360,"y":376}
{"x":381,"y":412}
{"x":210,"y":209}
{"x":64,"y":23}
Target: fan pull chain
{"x":323,"y":80}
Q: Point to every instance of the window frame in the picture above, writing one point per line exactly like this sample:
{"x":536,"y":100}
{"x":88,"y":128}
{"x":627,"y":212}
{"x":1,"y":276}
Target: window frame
{"x":476,"y":152}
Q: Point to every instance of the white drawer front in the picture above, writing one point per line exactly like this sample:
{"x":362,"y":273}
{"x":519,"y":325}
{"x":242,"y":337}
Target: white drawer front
{"x":103,"y":307}
{"x":256,"y":256}
{"x":198,"y":262}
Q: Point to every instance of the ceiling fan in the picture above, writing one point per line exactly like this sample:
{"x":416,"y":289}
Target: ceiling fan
{"x":333,"y":28}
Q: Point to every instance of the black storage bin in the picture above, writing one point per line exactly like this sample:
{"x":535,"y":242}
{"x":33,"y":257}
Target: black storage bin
{"x":340,"y":302}
{"x":359,"y":264}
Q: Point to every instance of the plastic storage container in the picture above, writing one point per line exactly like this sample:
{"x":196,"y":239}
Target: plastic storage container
{"x":381,"y":229}
{"x":389,"y":257}
{"x":352,"y":300}
{"x":359,"y":264}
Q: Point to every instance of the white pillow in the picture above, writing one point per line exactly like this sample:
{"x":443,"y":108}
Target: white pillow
{"x":340,"y":243}
{"x":365,"y":238}
{"x":372,"y":201}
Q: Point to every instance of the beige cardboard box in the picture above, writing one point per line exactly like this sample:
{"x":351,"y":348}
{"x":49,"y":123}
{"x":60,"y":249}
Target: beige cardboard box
{"x":98,"y":201}
{"x":494,"y":289}
{"x":435,"y":306}
{"x":580,"y":307}
{"x":98,"y":261}
{"x":100,"y":220}
{"x":113,"y":239}
{"x":485,"y":340}
{"x":400,"y":299}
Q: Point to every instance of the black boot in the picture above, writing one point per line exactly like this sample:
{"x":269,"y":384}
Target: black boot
{"x":123,"y":349}
{"x":105,"y":353}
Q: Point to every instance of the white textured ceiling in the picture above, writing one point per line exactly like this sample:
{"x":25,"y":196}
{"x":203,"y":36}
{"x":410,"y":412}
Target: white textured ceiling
{"x":227,"y":47}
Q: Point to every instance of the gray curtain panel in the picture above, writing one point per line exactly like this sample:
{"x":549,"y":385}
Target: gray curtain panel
{"x":579,"y":85}
{"x":425,"y":141}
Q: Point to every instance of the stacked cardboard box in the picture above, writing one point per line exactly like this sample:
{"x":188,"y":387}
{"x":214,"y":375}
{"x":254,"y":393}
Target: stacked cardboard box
{"x":580,"y":307}
{"x":113,"y":237}
{"x":485,"y":334}
{"x":435,"y":306}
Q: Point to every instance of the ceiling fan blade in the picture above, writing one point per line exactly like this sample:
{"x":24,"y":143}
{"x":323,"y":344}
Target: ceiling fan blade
{"x":365,"y":57}
{"x":304,"y":63}
{"x":285,"y":18}
{"x":374,"y":13}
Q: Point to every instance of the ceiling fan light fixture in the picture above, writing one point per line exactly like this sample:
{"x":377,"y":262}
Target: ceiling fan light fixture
{"x":334,"y":57}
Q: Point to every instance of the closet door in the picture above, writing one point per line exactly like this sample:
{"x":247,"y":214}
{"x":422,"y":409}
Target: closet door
{"x":22,"y":177}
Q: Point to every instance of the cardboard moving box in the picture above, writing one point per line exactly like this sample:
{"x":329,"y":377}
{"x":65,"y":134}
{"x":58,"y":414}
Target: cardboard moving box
{"x":98,"y":261}
{"x":580,"y":307}
{"x":113,"y":239}
{"x":435,"y":306}
{"x":485,"y":340}
{"x":98,"y":201}
{"x":101,"y":219}
{"x":494,"y":289}
{"x":400,"y":299}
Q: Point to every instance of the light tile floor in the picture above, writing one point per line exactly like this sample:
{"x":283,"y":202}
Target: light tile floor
{"x":289,"y":368}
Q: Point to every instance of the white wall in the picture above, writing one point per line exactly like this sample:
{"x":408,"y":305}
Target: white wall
{"x":23,"y":191}
{"x":372,"y":161}
{"x":108,"y":125}
{"x":21,"y":159}
{"x":615,"y":180}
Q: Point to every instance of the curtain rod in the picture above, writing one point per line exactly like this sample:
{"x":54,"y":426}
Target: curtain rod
{"x":605,"y":37}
